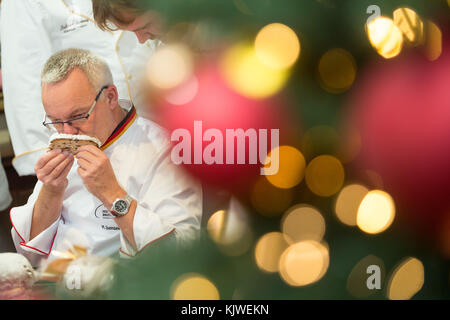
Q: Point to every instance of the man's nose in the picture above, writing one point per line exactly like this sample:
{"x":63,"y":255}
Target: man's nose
{"x":68,"y":129}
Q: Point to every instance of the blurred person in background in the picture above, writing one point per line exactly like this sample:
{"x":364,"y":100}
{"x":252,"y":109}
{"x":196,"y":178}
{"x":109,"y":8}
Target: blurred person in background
{"x":130,"y":15}
{"x":122,"y":196}
{"x":149,"y":24}
{"x":31,"y":31}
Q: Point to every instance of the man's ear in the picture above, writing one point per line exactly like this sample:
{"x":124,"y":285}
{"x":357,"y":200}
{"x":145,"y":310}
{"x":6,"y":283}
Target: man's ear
{"x":112,"y":96}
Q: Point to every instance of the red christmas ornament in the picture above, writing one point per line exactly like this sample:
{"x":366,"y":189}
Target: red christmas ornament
{"x":402,"y":111}
{"x":204,"y":129}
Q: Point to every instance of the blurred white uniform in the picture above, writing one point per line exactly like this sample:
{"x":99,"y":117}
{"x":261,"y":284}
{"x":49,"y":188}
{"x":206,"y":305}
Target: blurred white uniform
{"x":33,"y":30}
{"x":5,"y":195}
{"x":168,"y":201}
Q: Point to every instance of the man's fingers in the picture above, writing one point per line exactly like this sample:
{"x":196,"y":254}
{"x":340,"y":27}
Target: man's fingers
{"x":53,"y":163}
{"x":83,"y":164}
{"x":91,"y":149}
{"x":86,"y":156}
{"x":61,"y":168}
{"x":46,"y":158}
{"x":65,"y":171}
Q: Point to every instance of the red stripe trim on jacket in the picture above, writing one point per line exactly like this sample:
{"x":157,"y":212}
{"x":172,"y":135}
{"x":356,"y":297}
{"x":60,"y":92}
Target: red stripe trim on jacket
{"x":120,"y":131}
{"x":22,"y":243}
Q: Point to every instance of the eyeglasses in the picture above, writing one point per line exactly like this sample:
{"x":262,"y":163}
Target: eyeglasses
{"x":59,"y":125}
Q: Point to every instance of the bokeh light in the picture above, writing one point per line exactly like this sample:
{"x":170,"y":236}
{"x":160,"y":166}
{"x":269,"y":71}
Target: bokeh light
{"x":230,"y":230}
{"x":183,"y":93}
{"x":303,"y":222}
{"x":348,"y":202}
{"x":385,"y":37}
{"x":433,"y":42}
{"x":268,"y":200}
{"x":291,"y":167}
{"x":277,"y":46}
{"x":406,"y":280}
{"x":337,"y":70}
{"x":376,"y":212}
{"x":193,"y":286}
{"x":304,"y":263}
{"x":411,"y":25}
{"x":247,"y":75}
{"x":357,"y":281}
{"x":170,"y":66}
{"x":325,"y":175}
{"x":268,"y":251}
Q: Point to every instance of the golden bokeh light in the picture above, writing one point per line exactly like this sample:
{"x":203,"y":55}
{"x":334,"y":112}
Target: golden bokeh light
{"x":406,"y":280}
{"x":247,"y":75}
{"x":230,"y":230}
{"x":268,"y":200}
{"x":376,"y":212}
{"x":433,"y":41}
{"x":183,"y":93}
{"x":367,"y":277}
{"x":291,"y":167}
{"x":347,"y":203}
{"x":385,"y":37}
{"x":337,"y":70}
{"x":411,"y":25}
{"x":304,"y":263}
{"x":268,"y":251}
{"x":303,"y":222}
{"x":193,"y":286}
{"x":170,"y":66}
{"x":324,"y":175}
{"x":277,"y":46}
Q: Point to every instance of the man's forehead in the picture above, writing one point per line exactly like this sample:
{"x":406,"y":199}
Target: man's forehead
{"x":63,"y":100}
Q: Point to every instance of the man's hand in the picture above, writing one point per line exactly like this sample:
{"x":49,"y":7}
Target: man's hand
{"x":98,"y":176}
{"x":52,"y":170}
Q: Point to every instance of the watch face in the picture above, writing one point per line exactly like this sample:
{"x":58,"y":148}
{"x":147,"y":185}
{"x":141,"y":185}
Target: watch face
{"x":121,"y":206}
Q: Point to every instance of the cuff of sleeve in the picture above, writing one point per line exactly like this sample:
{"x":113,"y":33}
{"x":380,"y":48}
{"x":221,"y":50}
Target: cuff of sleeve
{"x":147,"y":228}
{"x":42,"y":243}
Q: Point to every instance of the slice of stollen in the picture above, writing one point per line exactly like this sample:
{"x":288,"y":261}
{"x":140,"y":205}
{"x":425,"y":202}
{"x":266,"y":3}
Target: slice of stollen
{"x":70,"y":142}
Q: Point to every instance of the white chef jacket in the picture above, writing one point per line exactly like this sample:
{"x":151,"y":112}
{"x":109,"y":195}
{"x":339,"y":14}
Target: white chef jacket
{"x":33,"y":30}
{"x":168,"y":201}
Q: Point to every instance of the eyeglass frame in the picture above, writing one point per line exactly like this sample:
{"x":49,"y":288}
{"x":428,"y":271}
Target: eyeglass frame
{"x":69,"y":122}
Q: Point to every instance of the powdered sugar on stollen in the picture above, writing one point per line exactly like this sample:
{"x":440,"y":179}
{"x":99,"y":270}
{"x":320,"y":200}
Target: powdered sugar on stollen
{"x":56,"y":136}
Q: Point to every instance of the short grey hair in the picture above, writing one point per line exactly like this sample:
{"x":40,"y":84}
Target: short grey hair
{"x":60,"y":64}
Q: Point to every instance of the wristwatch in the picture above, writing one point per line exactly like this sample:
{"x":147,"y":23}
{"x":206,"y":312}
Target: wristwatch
{"x":121,"y":206}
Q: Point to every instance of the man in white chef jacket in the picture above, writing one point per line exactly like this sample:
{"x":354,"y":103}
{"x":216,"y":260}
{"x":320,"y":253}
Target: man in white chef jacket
{"x":122,"y":196}
{"x":31,"y":31}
